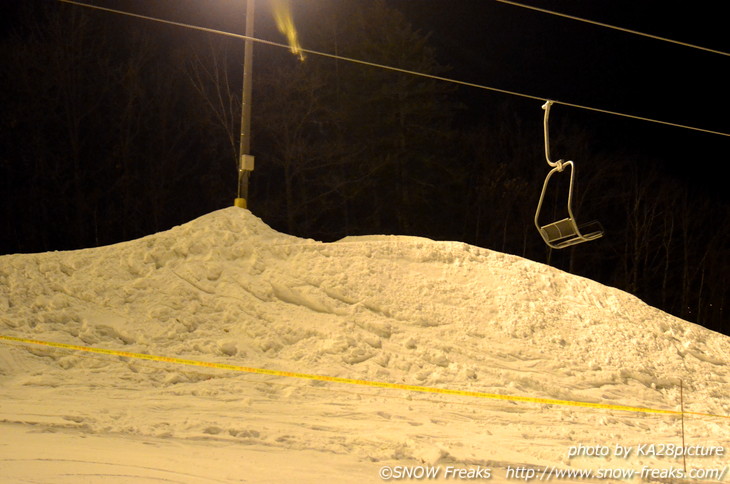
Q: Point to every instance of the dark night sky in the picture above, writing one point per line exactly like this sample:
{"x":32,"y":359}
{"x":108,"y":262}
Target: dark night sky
{"x":513,"y":48}
{"x":508,"y":47}
{"x":516,"y":49}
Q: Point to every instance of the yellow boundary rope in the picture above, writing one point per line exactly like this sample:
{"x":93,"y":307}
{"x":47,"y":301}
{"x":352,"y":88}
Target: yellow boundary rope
{"x":349,"y":381}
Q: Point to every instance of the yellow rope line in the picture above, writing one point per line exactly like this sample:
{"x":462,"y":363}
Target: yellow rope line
{"x":350,"y":381}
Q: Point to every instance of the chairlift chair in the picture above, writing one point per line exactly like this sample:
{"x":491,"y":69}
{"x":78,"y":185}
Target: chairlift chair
{"x":565,"y":232}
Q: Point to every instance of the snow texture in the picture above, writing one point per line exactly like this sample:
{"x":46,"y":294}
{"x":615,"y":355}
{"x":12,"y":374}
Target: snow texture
{"x":226,"y":288}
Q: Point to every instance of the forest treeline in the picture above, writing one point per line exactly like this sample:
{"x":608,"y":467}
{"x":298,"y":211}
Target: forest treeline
{"x":114,"y":129}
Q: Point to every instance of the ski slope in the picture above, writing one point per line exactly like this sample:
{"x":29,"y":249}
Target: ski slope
{"x":226,"y":289}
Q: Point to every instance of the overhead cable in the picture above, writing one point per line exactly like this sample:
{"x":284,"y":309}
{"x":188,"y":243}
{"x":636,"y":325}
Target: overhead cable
{"x":621,"y":29}
{"x":395,"y":69}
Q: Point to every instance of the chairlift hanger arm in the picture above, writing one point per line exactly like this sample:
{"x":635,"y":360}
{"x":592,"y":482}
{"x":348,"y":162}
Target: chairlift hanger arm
{"x":559,"y":163}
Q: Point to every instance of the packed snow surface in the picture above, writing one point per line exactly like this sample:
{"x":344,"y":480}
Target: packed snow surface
{"x":226,"y":288}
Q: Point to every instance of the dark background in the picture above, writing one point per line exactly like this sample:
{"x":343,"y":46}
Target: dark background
{"x":114,"y":128}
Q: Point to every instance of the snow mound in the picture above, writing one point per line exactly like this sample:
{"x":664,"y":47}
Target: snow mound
{"x":227,"y":288}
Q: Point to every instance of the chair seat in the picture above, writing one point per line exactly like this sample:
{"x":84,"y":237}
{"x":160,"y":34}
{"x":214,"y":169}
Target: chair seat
{"x":566,"y":232}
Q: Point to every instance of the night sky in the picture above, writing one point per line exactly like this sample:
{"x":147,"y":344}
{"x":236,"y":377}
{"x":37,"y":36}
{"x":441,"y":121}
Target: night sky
{"x":516,"y":49}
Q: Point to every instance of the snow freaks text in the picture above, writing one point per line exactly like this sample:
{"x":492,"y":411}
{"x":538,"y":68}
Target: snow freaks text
{"x":617,"y":472}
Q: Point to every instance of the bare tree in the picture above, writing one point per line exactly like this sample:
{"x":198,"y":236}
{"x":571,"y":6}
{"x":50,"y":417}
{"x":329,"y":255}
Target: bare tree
{"x":211,"y":76}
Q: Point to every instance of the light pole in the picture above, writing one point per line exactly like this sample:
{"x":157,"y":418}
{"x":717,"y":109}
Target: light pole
{"x":246,"y":161}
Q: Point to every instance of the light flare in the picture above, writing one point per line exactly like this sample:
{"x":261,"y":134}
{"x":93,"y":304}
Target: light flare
{"x":285,"y":24}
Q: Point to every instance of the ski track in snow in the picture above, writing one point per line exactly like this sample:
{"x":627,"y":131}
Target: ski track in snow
{"x":226,"y":288}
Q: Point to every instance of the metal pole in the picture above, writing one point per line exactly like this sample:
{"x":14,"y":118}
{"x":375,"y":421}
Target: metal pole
{"x":681,"y":400}
{"x":245,"y":160}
